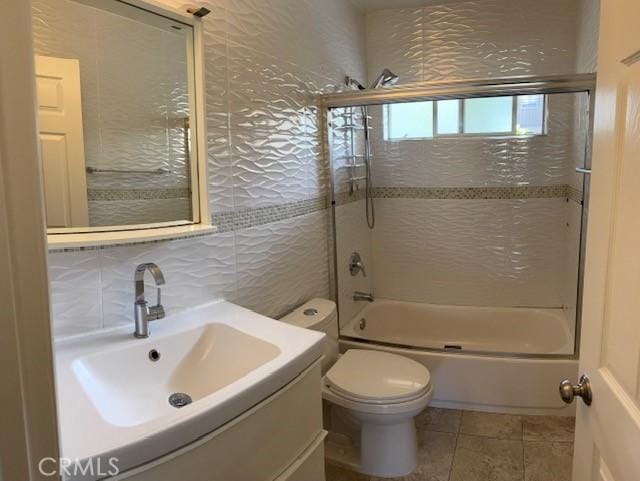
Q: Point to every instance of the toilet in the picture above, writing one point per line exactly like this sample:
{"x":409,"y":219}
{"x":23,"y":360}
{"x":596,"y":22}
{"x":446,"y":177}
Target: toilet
{"x":382,"y":392}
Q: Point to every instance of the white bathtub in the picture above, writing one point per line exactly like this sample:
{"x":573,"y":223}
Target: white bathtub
{"x":483,"y":358}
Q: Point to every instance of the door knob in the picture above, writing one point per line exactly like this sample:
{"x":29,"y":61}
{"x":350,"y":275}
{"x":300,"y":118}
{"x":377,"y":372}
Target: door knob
{"x":583,"y":389}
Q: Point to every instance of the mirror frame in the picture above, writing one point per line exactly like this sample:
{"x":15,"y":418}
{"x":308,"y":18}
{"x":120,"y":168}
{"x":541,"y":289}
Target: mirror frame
{"x":201,"y":224}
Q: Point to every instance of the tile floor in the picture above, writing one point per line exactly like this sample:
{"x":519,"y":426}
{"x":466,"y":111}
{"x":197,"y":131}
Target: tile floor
{"x":473,"y":446}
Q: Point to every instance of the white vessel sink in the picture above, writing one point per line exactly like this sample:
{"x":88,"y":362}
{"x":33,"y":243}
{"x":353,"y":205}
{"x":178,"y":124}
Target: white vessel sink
{"x":114,"y":390}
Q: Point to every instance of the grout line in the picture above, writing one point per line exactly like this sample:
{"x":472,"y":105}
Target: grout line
{"x":524,"y":474}
{"x":453,"y":457}
{"x":491,"y":437}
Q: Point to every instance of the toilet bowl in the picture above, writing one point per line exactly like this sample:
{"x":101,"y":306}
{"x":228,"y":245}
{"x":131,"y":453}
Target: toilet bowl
{"x":382,"y":392}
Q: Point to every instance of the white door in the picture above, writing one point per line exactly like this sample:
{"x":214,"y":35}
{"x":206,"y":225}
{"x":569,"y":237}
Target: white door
{"x":607,"y":445}
{"x":62,"y":141}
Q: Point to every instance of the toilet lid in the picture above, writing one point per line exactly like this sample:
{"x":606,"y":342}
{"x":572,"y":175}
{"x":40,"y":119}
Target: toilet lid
{"x":374,"y":376}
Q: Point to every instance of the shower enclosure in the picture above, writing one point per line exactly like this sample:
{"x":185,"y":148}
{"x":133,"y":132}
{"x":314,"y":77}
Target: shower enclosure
{"x":474,"y":261}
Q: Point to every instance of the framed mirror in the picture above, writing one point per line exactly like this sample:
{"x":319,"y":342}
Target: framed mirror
{"x":121,"y":118}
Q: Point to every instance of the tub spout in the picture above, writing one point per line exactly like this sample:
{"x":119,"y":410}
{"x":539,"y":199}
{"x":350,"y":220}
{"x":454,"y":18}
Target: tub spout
{"x":362,"y":296}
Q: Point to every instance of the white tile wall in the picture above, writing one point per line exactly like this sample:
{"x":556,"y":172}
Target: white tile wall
{"x":264,"y":62}
{"x":76,"y":292}
{"x":473,"y":39}
{"x":94,"y":289}
{"x":467,"y":252}
{"x":121,"y":212}
{"x":283,"y":264}
{"x":588,"y":28}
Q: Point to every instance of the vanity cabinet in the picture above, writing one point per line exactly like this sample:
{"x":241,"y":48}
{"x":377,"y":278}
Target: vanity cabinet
{"x":279,"y":439}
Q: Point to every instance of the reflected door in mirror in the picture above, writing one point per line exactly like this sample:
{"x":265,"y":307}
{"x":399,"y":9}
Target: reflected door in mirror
{"x":62,"y":141}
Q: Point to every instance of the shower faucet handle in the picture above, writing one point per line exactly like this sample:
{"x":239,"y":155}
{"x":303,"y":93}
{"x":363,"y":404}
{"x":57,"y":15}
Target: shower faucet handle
{"x":356,"y":266}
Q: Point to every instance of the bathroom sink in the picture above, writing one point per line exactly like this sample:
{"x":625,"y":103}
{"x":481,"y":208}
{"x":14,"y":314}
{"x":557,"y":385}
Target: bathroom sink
{"x":139,"y":399}
{"x":133,"y":384}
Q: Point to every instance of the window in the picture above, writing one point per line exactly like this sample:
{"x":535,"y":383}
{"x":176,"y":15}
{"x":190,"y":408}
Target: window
{"x":488,"y":116}
{"x":411,"y":120}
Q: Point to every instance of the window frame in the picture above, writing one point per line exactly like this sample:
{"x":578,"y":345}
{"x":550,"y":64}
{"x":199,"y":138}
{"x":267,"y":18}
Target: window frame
{"x":461,"y":115}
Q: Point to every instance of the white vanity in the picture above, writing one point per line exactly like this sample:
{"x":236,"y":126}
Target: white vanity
{"x":254,"y":386}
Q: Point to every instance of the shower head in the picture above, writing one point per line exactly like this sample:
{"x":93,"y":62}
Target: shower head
{"x":386,"y":79}
{"x":351,"y":82}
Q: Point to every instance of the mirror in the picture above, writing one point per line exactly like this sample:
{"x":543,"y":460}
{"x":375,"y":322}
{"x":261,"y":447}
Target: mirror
{"x":116,"y":108}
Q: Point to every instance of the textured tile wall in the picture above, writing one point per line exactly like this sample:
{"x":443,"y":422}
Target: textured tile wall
{"x":588,"y":28}
{"x":473,"y":39}
{"x":451,"y":250}
{"x":468,"y":252}
{"x":265,"y":60}
{"x":123,"y":212}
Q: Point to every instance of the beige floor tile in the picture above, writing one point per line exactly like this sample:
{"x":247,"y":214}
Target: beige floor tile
{"x":435,"y":455}
{"x":547,"y":461}
{"x":548,"y":428}
{"x":501,"y":426}
{"x":487,"y":459}
{"x":439,"y":419}
{"x":335,"y":473}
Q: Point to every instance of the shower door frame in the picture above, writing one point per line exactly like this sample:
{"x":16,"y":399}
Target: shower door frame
{"x":467,"y":89}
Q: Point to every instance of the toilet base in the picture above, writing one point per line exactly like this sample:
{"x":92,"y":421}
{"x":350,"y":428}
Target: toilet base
{"x":388,"y":450}
{"x":386,"y":434}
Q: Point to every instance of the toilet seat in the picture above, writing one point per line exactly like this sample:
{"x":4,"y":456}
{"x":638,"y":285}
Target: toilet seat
{"x":374,"y":377}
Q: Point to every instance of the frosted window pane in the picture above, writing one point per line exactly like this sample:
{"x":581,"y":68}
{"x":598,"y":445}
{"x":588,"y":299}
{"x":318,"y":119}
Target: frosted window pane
{"x":448,"y":116}
{"x":488,"y":115}
{"x":411,"y":120}
{"x":530,"y":115}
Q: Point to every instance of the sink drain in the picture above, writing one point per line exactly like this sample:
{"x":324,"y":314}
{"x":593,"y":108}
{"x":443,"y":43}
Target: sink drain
{"x":180,"y":400}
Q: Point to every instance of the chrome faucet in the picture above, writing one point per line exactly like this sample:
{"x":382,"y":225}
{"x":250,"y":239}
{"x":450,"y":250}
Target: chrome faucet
{"x":362,"y":296}
{"x":144,"y":313}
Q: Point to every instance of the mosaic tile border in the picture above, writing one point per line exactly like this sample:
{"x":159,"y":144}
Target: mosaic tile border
{"x":468,"y":193}
{"x":574,"y":194}
{"x":129,"y":244}
{"x":473,"y":193}
{"x":345,"y":198}
{"x":246,"y":218}
{"x":136,"y":194}
{"x":229,"y":221}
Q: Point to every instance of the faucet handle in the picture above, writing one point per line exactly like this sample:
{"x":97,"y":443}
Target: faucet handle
{"x":155,"y":313}
{"x":356,"y":265}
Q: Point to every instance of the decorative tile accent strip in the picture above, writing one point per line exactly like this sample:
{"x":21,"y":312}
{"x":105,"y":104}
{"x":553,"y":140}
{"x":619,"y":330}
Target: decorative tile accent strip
{"x":345,"y":198}
{"x":574,"y":194}
{"x":129,"y":244}
{"x":231,"y":221}
{"x":467,"y":193}
{"x":243,"y":219}
{"x":136,"y":194}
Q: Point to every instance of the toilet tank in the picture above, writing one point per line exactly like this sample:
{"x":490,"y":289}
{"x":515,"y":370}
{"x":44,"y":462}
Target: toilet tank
{"x":319,"y":315}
